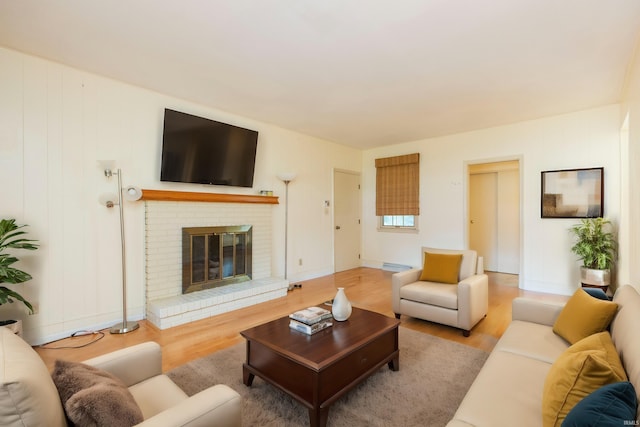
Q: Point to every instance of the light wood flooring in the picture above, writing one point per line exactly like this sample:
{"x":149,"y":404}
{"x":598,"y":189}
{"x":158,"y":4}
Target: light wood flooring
{"x":366,"y":288}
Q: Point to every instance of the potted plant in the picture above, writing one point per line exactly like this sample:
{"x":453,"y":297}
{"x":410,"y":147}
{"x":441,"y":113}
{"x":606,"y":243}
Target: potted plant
{"x":12,"y":237}
{"x":596,"y":247}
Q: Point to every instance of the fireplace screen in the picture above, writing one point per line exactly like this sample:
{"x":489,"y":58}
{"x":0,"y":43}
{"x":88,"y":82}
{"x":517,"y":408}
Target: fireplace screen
{"x":215,"y":256}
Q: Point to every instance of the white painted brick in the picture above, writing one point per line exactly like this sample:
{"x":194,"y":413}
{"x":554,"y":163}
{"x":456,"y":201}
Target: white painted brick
{"x":180,"y":309}
{"x":163,"y":246}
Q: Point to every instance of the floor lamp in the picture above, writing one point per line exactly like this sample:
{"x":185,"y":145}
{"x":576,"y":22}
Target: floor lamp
{"x":286,"y":178}
{"x":131,"y":194}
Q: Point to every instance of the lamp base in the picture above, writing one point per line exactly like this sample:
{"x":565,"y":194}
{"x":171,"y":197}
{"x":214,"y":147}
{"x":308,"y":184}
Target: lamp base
{"x":124,"y":327}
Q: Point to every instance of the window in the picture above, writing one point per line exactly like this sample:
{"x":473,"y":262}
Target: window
{"x":397,"y":191}
{"x":397,"y":223}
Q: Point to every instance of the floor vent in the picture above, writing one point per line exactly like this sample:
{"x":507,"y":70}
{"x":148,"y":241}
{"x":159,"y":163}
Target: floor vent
{"x":388,"y":266}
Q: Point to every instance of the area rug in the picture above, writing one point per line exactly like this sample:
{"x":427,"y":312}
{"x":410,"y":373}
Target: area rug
{"x":433,"y":378}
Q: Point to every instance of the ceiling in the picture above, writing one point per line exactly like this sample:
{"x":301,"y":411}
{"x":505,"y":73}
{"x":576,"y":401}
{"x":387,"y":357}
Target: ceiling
{"x":363,"y":73}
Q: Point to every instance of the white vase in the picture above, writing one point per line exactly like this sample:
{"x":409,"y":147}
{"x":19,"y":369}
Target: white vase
{"x":341,"y":307}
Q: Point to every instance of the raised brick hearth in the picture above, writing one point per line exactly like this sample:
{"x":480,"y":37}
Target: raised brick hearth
{"x":173,"y":311}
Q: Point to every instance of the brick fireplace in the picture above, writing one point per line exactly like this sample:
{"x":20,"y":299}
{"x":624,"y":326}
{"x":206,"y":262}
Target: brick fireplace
{"x":166,"y":304}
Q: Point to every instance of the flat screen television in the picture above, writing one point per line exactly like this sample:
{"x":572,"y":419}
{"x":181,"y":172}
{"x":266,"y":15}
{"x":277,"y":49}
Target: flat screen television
{"x":203,"y":151}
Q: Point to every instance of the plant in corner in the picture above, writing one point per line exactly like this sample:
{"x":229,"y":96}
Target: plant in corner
{"x":596,"y":247}
{"x":12,"y":237}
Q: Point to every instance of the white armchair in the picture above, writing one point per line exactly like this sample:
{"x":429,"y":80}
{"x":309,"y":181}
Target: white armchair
{"x":28,"y":395}
{"x":162,"y":402}
{"x":460,"y":305}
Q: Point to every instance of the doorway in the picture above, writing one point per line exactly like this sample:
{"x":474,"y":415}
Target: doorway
{"x":346,"y":214}
{"x":494,"y":214}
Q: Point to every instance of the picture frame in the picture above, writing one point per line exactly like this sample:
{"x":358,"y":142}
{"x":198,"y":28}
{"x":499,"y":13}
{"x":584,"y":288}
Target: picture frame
{"x":572,"y":193}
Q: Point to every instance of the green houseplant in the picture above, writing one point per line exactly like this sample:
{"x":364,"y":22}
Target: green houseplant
{"x":596,"y":246}
{"x":12,"y":237}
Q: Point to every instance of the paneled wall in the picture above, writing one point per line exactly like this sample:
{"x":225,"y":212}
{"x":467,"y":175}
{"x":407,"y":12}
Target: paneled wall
{"x":57,"y":122}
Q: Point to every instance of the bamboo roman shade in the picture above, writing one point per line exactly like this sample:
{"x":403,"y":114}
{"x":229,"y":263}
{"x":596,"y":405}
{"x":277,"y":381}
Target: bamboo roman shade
{"x":398,"y":185}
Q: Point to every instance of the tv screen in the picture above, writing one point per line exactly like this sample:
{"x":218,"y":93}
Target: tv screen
{"x":203,"y":151}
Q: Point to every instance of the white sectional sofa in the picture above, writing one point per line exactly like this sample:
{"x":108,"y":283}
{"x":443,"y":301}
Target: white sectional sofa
{"x":508,"y":390}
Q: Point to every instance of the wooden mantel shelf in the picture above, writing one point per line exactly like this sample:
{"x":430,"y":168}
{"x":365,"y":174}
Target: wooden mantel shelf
{"x":185,"y":196}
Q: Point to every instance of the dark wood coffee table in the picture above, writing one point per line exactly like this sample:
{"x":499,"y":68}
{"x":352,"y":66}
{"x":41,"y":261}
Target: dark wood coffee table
{"x":318,"y":369}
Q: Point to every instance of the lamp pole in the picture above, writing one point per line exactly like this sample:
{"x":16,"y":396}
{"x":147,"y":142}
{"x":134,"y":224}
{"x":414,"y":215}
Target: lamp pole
{"x":286,"y":226}
{"x":125,"y":326}
{"x":286,"y":178}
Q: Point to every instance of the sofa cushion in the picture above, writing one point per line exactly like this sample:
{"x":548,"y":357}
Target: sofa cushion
{"x":583,"y":368}
{"x":156,"y":395}
{"x":582,"y":316}
{"x":532,"y":340}
{"x":437,"y":294}
{"x":93,"y":397}
{"x":612,"y":405}
{"x":503,"y":393}
{"x":28,"y":396}
{"x":441,"y":268}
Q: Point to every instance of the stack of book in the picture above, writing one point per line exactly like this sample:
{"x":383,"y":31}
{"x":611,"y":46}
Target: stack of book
{"x":310,"y":320}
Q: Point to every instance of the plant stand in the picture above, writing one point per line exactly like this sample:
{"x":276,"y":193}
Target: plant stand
{"x":14,"y":325}
{"x":605,"y":288}
{"x":591,"y":278}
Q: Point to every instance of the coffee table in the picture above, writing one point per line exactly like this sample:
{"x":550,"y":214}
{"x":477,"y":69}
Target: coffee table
{"x":318,"y":369}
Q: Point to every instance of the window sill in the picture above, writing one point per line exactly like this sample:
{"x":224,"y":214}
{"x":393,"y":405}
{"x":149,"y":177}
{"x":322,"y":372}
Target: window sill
{"x":398,"y":230}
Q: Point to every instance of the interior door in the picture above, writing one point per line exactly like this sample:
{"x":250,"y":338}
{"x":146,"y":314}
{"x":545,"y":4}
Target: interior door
{"x":346,"y":213}
{"x":509,"y":221}
{"x":494,"y":214}
{"x":483,"y":217}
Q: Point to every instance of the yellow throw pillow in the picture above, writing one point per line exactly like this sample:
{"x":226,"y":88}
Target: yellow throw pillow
{"x":441,"y":268}
{"x":584,"y":367}
{"x":584,"y":315}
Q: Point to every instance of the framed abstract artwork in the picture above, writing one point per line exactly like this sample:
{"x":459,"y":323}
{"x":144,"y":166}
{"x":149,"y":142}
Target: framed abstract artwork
{"x":572,"y":193}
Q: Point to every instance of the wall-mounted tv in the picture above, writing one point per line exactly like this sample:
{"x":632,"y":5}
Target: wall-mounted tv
{"x":203,"y":151}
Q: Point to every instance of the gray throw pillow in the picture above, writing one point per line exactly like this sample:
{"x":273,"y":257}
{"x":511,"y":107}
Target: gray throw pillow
{"x":93,"y":397}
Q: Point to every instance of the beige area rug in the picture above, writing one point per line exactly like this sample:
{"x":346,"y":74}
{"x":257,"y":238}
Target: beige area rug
{"x":433,"y":378}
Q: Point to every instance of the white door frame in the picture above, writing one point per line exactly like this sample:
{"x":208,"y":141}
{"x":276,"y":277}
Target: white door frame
{"x":466,"y":207}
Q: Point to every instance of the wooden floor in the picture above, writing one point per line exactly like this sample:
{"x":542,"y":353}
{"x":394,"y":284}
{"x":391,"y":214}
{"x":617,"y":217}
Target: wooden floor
{"x":366,"y":288}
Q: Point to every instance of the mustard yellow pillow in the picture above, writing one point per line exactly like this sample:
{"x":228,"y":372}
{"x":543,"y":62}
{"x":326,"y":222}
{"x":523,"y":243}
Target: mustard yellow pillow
{"x":584,"y":315}
{"x":441,"y":268}
{"x":584,"y":367}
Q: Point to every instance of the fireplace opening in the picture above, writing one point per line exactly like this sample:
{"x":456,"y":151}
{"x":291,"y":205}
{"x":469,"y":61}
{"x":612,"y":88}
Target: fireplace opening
{"x":215,"y":256}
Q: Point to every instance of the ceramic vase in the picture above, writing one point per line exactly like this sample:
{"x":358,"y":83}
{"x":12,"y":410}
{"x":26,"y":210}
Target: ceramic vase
{"x":341,"y":307}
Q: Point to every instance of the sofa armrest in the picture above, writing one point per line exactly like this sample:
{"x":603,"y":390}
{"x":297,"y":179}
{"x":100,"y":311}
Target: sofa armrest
{"x":217,"y":406}
{"x":473,"y":300}
{"x":536,"y":311}
{"x":132,"y":364}
{"x":400,"y":279}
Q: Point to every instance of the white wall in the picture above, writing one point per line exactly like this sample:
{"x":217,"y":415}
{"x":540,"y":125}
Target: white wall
{"x":56,"y":122}
{"x":580,"y":140}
